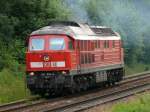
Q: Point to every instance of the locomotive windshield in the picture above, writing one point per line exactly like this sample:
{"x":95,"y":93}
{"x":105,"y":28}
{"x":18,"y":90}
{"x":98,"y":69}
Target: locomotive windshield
{"x":37,"y":44}
{"x":57,"y":44}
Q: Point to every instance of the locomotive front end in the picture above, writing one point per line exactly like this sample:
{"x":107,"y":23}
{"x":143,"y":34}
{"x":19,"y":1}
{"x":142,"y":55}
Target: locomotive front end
{"x":48,"y":62}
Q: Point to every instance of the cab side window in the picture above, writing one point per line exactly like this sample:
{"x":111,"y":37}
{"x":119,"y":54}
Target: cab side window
{"x":70,"y":45}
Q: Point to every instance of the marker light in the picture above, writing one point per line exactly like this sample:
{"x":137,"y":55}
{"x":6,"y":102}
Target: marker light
{"x":63,"y":72}
{"x":31,"y":73}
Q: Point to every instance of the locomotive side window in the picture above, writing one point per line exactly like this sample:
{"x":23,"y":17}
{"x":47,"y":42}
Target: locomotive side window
{"x":82,"y":58}
{"x":85,"y":45}
{"x":70,"y":45}
{"x":86,"y":58}
{"x":99,"y":44}
{"x":93,"y":57}
{"x":113,"y":43}
{"x":81,"y":45}
{"x":37,"y":44}
{"x":57,"y":44}
{"x":106,"y":44}
{"x":89,"y":46}
{"x":95,"y":44}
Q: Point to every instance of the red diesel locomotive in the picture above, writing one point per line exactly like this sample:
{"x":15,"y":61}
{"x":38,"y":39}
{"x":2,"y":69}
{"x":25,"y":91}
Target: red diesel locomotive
{"x":72,"y":56}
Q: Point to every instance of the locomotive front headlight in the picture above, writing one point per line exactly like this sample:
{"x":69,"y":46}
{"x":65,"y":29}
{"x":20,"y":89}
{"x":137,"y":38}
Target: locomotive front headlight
{"x":63,"y":72}
{"x":31,"y":73}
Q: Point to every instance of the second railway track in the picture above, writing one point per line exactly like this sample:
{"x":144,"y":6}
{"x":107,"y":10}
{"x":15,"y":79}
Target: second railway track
{"x":129,"y":86}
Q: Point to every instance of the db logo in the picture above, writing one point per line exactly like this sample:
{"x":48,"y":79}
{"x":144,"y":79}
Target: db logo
{"x":46,"y":58}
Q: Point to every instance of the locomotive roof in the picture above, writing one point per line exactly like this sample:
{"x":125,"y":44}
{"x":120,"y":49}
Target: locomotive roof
{"x":78,"y":31}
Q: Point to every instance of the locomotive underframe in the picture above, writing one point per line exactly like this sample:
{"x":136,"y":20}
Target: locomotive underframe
{"x":55,"y":82}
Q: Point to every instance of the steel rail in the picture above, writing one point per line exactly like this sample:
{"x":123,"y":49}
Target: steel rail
{"x":21,"y":102}
{"x":26,"y":105}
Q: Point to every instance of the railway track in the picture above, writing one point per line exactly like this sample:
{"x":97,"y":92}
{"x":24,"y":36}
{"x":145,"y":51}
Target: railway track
{"x":19,"y":103}
{"x":129,"y":86}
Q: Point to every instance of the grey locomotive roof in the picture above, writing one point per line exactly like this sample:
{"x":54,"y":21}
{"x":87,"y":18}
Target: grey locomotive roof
{"x":76,"y":30}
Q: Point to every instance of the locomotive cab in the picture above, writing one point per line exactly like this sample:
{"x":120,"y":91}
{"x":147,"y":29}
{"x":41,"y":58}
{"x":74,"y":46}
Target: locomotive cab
{"x":49,"y":53}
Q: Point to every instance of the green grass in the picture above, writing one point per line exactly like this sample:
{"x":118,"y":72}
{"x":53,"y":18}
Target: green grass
{"x":141,"y":104}
{"x":12,"y":86}
{"x":137,"y":68}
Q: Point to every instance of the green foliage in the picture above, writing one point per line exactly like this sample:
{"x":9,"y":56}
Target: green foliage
{"x":18,"y":19}
{"x":1,"y":63}
{"x":12,"y":87}
{"x":97,"y":10}
{"x":146,"y":47}
{"x":139,"y":105}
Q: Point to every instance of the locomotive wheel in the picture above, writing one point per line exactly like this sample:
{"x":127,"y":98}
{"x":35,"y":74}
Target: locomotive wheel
{"x":92,"y":82}
{"x":42,"y":93}
{"x":58,"y":91}
{"x":51,"y":92}
{"x":85,"y":85}
{"x":72,"y":88}
{"x":33,"y":92}
{"x":78,"y":88}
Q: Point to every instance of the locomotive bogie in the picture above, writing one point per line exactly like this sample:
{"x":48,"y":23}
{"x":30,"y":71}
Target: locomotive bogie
{"x":53,"y":83}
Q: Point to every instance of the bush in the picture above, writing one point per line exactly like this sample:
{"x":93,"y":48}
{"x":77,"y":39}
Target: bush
{"x":12,"y":87}
{"x":1,"y":64}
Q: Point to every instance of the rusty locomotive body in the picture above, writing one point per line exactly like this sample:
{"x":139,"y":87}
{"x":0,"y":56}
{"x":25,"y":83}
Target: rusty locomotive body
{"x":72,"y":56}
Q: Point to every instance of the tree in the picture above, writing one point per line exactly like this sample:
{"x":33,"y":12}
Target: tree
{"x":18,"y":18}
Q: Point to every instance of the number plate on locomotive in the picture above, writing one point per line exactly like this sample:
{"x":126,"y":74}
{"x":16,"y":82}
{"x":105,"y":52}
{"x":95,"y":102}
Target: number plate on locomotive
{"x":47,"y":64}
{"x":54,"y":64}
